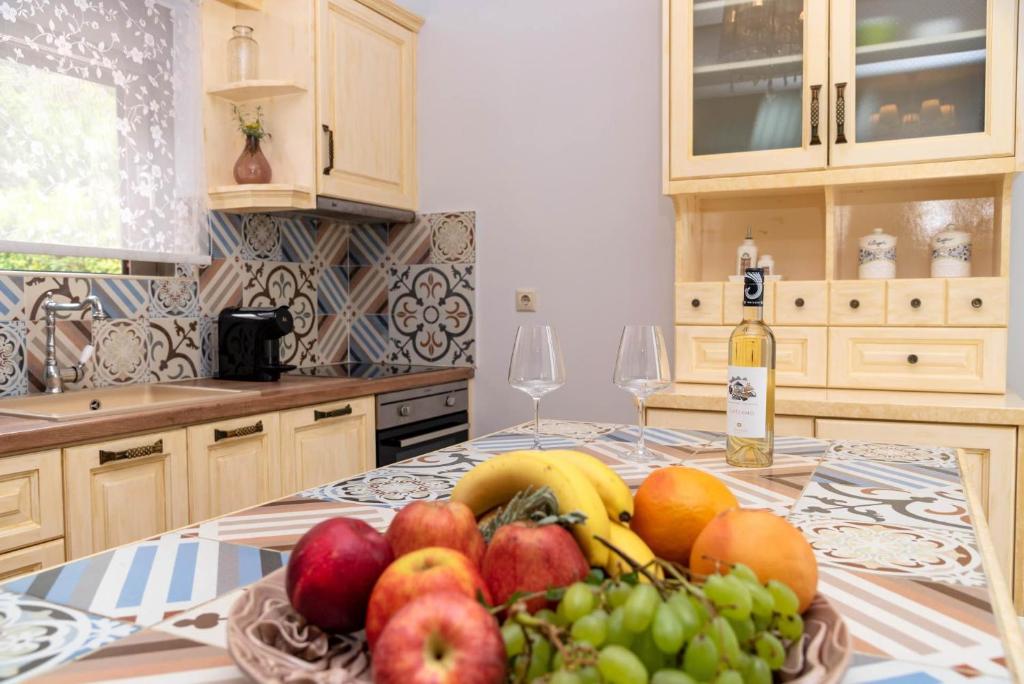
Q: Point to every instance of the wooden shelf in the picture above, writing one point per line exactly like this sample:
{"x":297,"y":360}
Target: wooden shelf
{"x":255,"y":5}
{"x":245,"y":91}
{"x":915,"y":44}
{"x":261,"y":197}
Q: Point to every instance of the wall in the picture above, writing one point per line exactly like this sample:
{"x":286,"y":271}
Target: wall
{"x":545,"y":117}
{"x":341,"y":282}
{"x":1015,"y":364}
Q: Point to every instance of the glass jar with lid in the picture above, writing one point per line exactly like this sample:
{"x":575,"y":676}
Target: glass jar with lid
{"x":243,"y":55}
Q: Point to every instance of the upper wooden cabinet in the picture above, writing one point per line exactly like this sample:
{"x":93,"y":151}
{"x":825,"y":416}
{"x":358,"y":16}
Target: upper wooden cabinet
{"x":770,"y":86}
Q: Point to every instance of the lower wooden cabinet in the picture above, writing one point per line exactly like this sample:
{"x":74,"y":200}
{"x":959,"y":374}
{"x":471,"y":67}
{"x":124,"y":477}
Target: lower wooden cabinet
{"x":31,"y":499}
{"x":325,"y":443}
{"x":124,"y":490}
{"x":32,"y":559}
{"x":233,"y":464}
{"x":714,"y":421}
{"x":702,"y":354}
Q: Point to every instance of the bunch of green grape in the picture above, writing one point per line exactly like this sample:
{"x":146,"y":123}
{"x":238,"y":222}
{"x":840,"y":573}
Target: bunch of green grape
{"x":731,"y":630}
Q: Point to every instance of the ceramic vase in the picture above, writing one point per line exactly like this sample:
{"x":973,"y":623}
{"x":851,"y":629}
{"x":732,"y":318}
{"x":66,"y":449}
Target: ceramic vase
{"x":252,"y":166}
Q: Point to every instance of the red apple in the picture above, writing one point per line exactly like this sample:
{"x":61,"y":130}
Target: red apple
{"x":524,"y":557}
{"x":332,"y":571}
{"x":416,"y":574}
{"x":440,"y":638}
{"x":436,"y":523}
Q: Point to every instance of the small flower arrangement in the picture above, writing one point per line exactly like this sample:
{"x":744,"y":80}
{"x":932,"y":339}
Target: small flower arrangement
{"x":252,"y":127}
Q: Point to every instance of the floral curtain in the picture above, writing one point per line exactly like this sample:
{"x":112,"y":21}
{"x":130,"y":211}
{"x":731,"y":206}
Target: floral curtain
{"x":100,"y":129}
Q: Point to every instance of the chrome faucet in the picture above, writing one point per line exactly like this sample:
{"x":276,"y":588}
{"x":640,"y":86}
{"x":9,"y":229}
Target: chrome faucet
{"x":53,"y":375}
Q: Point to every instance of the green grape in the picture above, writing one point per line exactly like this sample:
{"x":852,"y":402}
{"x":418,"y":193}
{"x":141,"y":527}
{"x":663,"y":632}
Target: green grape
{"x":667,"y":630}
{"x":617,"y":632}
{"x":786,"y":601}
{"x":515,"y":638}
{"x":589,"y":675}
{"x":618,"y":593}
{"x":757,"y":672}
{"x":551,"y":616}
{"x":742,"y":662}
{"x":592,"y":628}
{"x":540,"y":658}
{"x":725,"y":640}
{"x":701,"y":658}
{"x":791,"y":627}
{"x":761,"y":601}
{"x":564,"y":677}
{"x":770,"y":649}
{"x":579,"y":600}
{"x":701,"y":609}
{"x":648,"y":652}
{"x":717,"y":590}
{"x":640,"y":606}
{"x":745,"y":573}
{"x":741,"y":603}
{"x":619,"y":665}
{"x":761,"y":622}
{"x":729,"y":677}
{"x":557,"y":662}
{"x":672,"y":677}
{"x":686,"y":614}
{"x":744,"y":629}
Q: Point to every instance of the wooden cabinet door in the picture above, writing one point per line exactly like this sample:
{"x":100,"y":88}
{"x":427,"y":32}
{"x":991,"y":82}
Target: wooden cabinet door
{"x":31,"y":499}
{"x":714,"y":421}
{"x":32,"y":559}
{"x":124,"y":490}
{"x":739,"y":104}
{"x":327,"y":443}
{"x":992,"y":451}
{"x":233,"y":464}
{"x":367,"y":105}
{"x":912,"y":83}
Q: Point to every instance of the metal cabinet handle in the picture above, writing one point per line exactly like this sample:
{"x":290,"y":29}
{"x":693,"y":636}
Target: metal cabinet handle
{"x":840,"y":113}
{"x":912,"y":359}
{"x":976,"y":302}
{"x":420,"y":439}
{"x":799,"y":302}
{"x":135,"y":452}
{"x":695,"y":303}
{"x":330,"y":149}
{"x":854,"y":303}
{"x":915,"y":303}
{"x":244,"y":431}
{"x":345,"y":410}
{"x":815,"y":114}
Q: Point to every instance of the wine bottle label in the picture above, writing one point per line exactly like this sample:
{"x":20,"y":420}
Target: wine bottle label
{"x":747,"y":404}
{"x":753,"y":287}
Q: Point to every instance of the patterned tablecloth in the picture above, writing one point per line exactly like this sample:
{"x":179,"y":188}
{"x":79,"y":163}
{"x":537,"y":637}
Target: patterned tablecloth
{"x":890,"y":526}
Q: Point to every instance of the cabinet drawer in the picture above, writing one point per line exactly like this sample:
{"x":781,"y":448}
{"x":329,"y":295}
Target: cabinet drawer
{"x":977,"y":301}
{"x":714,"y":421}
{"x":857,"y":302}
{"x":699,"y":303}
{"x":702,"y":355}
{"x":916,"y":302}
{"x":326,"y":443}
{"x":801,"y":302}
{"x":31,"y":499}
{"x":942,"y":360}
{"x":32,"y":559}
{"x":733,"y":307}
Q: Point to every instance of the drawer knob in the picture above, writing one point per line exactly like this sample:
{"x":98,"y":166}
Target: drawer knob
{"x":695,"y":303}
{"x":799,"y":302}
{"x":405,"y":411}
{"x":912,"y":359}
{"x":915,"y":303}
{"x":854,"y":303}
{"x":976,"y":302}
{"x":449,"y":401}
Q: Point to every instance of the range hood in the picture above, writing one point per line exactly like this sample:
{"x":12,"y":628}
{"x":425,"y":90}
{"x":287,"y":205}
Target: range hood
{"x":334,"y":209}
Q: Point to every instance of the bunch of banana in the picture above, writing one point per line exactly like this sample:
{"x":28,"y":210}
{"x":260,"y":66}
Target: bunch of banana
{"x":579,"y":481}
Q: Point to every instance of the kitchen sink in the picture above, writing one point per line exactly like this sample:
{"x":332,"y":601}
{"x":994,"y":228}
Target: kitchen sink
{"x":110,"y":400}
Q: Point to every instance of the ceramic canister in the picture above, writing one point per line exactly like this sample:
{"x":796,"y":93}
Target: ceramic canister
{"x":951,"y":254}
{"x":877,"y":256}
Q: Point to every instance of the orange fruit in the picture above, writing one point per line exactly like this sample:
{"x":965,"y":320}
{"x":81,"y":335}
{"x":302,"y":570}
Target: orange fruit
{"x":673,"y":505}
{"x":772,"y":547}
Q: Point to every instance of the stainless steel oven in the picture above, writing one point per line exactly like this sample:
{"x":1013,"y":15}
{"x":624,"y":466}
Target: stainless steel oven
{"x":421,"y":420}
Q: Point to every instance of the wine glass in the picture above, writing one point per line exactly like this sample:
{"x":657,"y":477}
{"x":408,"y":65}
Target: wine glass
{"x":536,"y":367}
{"x":641,"y":367}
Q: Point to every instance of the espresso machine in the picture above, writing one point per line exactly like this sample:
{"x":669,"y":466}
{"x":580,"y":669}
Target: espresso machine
{"x":249,"y":343}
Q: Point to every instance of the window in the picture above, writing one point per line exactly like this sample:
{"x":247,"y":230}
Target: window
{"x":100,"y":134}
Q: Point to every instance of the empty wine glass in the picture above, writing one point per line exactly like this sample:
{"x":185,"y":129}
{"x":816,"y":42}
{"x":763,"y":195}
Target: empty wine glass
{"x":536,"y":367}
{"x":641,"y":368}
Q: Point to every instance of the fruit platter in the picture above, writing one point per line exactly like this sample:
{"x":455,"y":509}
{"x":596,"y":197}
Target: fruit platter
{"x":545,"y":568}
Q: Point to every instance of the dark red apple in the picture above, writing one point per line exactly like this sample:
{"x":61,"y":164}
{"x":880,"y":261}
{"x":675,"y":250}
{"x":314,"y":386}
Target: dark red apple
{"x":440,"y":638}
{"x":524,"y":557}
{"x":332,"y":571}
{"x":436,"y":523}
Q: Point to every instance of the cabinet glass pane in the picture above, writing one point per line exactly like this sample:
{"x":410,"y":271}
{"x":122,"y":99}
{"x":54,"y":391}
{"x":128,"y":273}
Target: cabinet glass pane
{"x":920,"y":68}
{"x":747,"y":75}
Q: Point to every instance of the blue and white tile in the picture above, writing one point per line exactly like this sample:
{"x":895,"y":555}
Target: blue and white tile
{"x":938,"y":457}
{"x":298,"y":238}
{"x":367,"y":244}
{"x":123,"y":297}
{"x":869,"y":670}
{"x":332,"y":293}
{"x":39,"y":636}
{"x":452,"y":237}
{"x":368,"y":289}
{"x":147,"y":582}
{"x":391,"y":487}
{"x":12,"y":297}
{"x":500,"y":443}
{"x":408,"y":243}
{"x":935,"y":507}
{"x":220,"y":286}
{"x":225,"y":234}
{"x":368,"y":339}
{"x":332,"y":244}
{"x":206,"y":623}
{"x":862,"y":473}
{"x":332,"y":338}
{"x":13,"y":358}
{"x":432,"y":315}
{"x":207,"y":347}
{"x":261,"y":238}
{"x":174,"y":297}
{"x":64,"y":289}
{"x":122,"y":352}
{"x":174,"y":349}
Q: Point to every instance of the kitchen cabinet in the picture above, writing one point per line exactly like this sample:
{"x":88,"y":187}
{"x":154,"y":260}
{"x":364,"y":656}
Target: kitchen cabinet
{"x":31,"y":499}
{"x":32,"y":559}
{"x":702,"y":354}
{"x":233,"y":464}
{"x":124,"y":490}
{"x":327,"y":443}
{"x":714,"y":421}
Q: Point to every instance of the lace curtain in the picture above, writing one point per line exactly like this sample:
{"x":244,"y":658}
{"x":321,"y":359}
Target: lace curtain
{"x":100,"y":129}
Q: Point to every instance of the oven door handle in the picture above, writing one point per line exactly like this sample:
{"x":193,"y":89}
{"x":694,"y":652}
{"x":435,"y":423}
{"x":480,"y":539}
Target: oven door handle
{"x":420,"y":439}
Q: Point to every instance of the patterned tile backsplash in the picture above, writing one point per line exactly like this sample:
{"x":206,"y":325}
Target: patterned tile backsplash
{"x":369,"y":292}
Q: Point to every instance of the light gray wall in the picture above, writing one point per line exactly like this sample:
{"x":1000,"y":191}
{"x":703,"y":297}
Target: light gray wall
{"x":545,"y":117}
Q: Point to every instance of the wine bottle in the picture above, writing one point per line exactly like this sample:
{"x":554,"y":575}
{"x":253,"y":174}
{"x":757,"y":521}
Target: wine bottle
{"x":750,"y":406}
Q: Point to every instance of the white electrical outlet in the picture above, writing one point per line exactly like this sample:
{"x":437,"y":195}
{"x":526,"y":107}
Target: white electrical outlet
{"x":526,"y":299}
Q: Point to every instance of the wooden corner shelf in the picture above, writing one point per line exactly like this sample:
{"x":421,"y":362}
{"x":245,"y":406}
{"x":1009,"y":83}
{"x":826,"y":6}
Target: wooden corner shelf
{"x":245,"y":91}
{"x":261,"y":197}
{"x":256,"y":5}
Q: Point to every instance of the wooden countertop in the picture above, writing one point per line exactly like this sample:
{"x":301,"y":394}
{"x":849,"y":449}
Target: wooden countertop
{"x":926,"y":407}
{"x":33,"y":434}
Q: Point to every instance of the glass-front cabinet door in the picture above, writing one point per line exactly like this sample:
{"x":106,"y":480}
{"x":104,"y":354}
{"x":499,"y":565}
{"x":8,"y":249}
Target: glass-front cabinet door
{"x":918,"y":80}
{"x":747,"y":86}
